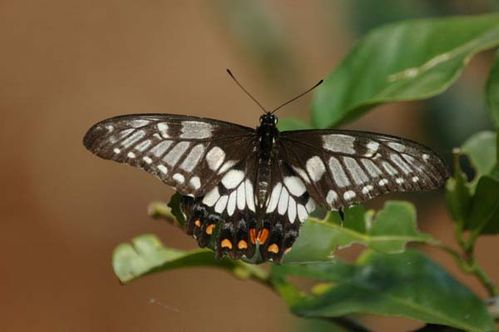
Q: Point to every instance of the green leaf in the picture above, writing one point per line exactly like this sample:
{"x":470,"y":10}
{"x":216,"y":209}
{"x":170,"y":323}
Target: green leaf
{"x":407,"y":285}
{"x":458,"y":196}
{"x":409,"y":60}
{"x":492,"y":91}
{"x":146,"y":254}
{"x":289,"y":123}
{"x":484,"y":212}
{"x":481,"y":151}
{"x":389,"y":231}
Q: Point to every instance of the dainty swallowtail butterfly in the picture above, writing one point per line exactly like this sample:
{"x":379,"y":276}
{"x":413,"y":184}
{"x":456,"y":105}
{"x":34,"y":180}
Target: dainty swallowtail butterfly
{"x":250,"y":189}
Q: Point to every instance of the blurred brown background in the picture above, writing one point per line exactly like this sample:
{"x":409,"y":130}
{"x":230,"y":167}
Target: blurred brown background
{"x":65,"y":65}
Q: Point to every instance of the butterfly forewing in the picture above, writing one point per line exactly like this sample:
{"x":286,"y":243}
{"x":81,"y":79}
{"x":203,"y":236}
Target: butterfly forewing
{"x":340,"y":168}
{"x":189,"y":153}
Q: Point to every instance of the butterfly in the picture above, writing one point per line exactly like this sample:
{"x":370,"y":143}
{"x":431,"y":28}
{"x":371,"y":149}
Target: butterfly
{"x":248,"y":190}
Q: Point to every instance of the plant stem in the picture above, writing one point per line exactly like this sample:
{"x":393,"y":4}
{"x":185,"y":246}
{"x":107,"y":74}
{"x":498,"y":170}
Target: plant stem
{"x":467,"y":263}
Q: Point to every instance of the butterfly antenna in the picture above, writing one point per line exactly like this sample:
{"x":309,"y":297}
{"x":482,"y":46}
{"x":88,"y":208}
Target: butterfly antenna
{"x":246,"y":91}
{"x":300,"y":95}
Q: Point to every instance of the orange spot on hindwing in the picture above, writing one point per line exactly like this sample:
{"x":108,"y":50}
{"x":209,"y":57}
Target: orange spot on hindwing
{"x":197,"y":222}
{"x":262,"y":236}
{"x":209,"y":229}
{"x":252,"y":235}
{"x":273,"y":248}
{"x":226,"y":244}
{"x":242,"y":245}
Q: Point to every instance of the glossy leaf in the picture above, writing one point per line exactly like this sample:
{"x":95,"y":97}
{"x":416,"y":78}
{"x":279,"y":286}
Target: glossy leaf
{"x":458,"y":195}
{"x":484,"y":211}
{"x":146,"y":254}
{"x":472,"y":203}
{"x":407,"y":285}
{"x":409,"y":60}
{"x":388,"y":231}
{"x":481,"y":151}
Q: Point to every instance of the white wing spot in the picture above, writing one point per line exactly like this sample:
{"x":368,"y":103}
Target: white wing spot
{"x":400,"y":163}
{"x":331,"y":197}
{"x":195,"y":182}
{"x":192,"y":158}
{"x":174,"y":155}
{"x":211,"y":197}
{"x":221,"y":203}
{"x":142,"y":146}
{"x":233,"y":178}
{"x":315,"y":168}
{"x":415,"y":179}
{"x":310,"y":206}
{"x":163,"y":129}
{"x":389,"y":168}
{"x":241,"y":197}
{"x":367,"y":189}
{"x":396,"y":146}
{"x":302,"y":212}
{"x":338,"y":173}
{"x":227,"y":165}
{"x":161,"y":148}
{"x":291,"y":210}
{"x":302,"y":174}
{"x":231,"y":205}
{"x":179,"y":178}
{"x":383,"y":182}
{"x":283,"y":202}
{"x":116,"y":150}
{"x":250,"y":199}
{"x":339,"y":143}
{"x":122,"y":134}
{"x":274,"y":198}
{"x":295,"y":186}
{"x":147,"y":160}
{"x":399,"y":180}
{"x":371,"y":167}
{"x":215,"y":157}
{"x":163,"y":169}
{"x":426,"y":157}
{"x":372,"y":148}
{"x":131,"y":155}
{"x":348,"y":195}
{"x":139,"y":123}
{"x":358,"y":175}
{"x":132,"y":139}
{"x":196,"y":130}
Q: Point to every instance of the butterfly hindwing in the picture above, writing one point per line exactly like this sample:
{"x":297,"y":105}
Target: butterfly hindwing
{"x":189,"y":153}
{"x":227,"y":213}
{"x":340,"y":167}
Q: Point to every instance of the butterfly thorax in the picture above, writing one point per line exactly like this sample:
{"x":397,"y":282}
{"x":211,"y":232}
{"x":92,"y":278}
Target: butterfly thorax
{"x":267,"y":136}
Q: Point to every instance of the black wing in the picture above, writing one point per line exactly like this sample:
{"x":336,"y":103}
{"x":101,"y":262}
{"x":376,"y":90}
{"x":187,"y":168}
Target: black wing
{"x":188,"y":153}
{"x":341,"y":167}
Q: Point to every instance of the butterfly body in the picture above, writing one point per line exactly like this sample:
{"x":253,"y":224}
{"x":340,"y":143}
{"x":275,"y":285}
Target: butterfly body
{"x":248,"y":190}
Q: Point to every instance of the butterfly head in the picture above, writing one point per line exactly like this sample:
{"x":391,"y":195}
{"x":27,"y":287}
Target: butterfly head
{"x":268,"y":120}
